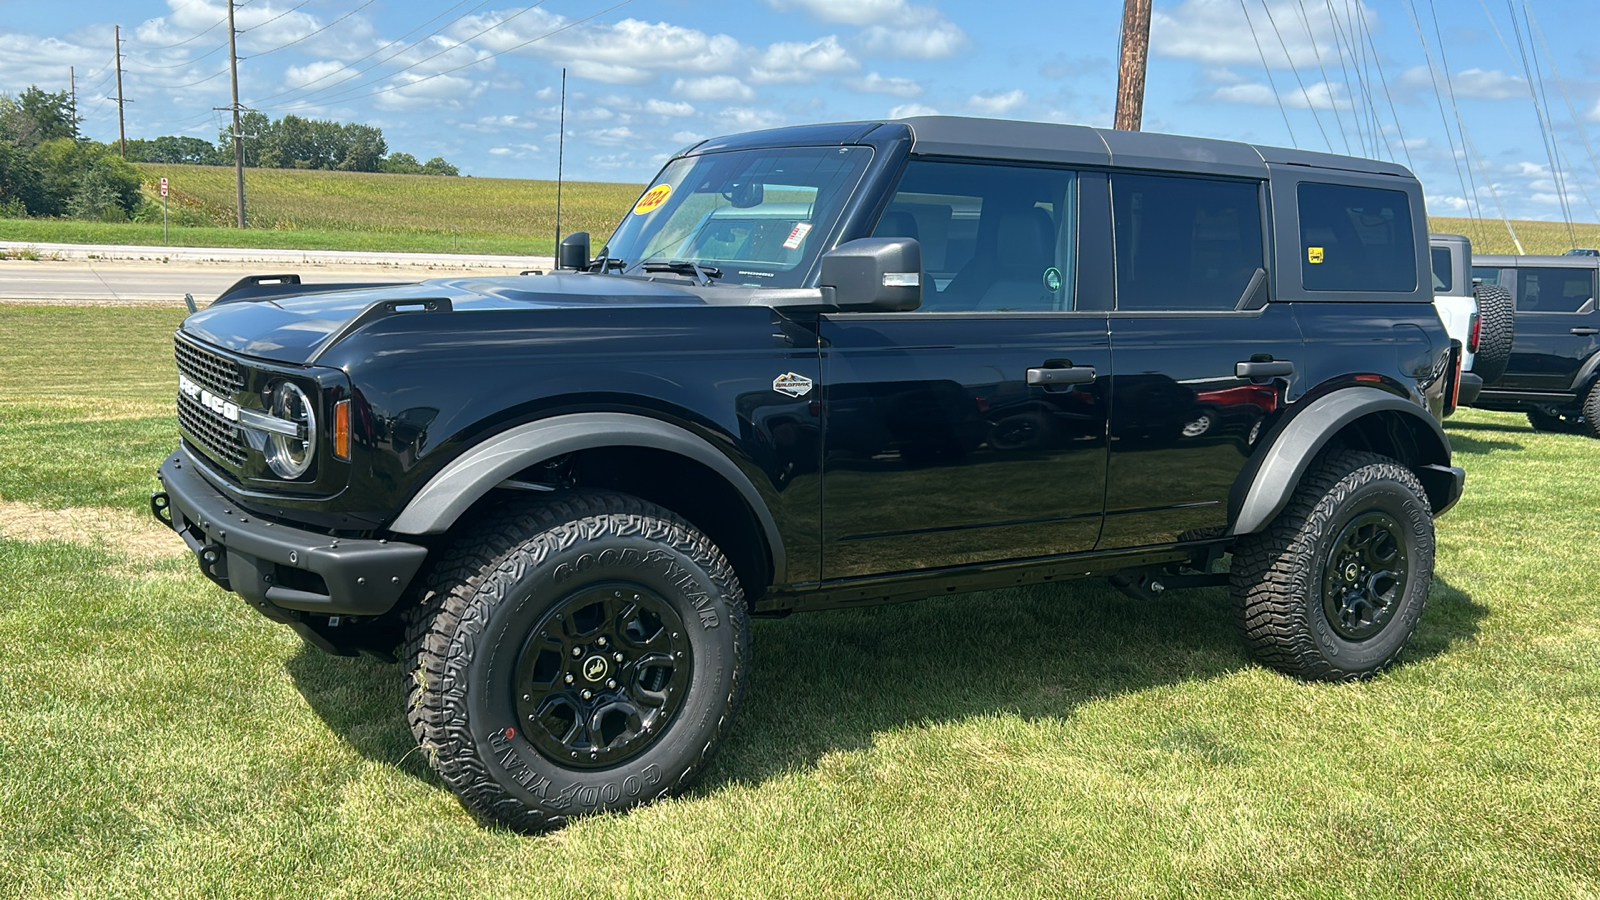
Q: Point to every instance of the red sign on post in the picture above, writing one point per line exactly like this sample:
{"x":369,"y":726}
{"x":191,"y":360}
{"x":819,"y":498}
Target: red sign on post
{"x":163,"y":187}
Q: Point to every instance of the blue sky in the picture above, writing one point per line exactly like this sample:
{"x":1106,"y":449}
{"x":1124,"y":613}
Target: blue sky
{"x":477,"y":82}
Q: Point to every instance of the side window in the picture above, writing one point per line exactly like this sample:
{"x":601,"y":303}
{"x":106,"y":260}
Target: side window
{"x":994,"y":238}
{"x":1486,"y":274}
{"x":1442,"y":280}
{"x":1553,"y":290}
{"x":1356,"y":239}
{"x":1185,"y":243}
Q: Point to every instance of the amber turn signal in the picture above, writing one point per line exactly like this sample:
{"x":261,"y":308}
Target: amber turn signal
{"x":341,"y":429}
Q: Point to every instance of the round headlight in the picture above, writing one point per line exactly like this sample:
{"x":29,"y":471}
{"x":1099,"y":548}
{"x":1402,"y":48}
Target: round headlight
{"x":291,"y":457}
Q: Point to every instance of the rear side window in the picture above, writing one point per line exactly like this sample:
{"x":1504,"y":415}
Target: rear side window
{"x":1553,"y":290}
{"x":1185,"y":243}
{"x":1442,"y":283}
{"x":1486,"y":274}
{"x":1356,"y":239}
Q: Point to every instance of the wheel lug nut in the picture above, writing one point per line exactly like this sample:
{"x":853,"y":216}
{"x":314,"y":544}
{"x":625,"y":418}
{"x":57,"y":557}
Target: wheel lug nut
{"x":611,"y":682}
{"x":526,"y":698}
{"x":588,"y":695}
{"x":617,"y":657}
{"x":569,"y":678}
{"x":577,"y":652}
{"x":601,"y":642}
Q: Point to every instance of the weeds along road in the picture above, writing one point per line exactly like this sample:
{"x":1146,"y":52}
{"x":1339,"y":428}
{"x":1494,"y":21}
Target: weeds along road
{"x":156,"y":275}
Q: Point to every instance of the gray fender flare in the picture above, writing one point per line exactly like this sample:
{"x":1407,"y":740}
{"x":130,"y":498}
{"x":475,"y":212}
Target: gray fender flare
{"x":1264,"y":490}
{"x":474,"y":473}
{"x":1586,"y":375}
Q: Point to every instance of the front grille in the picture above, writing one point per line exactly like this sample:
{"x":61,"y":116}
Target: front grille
{"x":219,"y":438}
{"x":215,"y":373}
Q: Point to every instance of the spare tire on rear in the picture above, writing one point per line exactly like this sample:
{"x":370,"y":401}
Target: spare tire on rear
{"x":1497,"y":330}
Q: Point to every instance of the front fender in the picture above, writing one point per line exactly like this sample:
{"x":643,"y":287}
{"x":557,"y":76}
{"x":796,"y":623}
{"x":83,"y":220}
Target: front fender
{"x":1264,"y":488}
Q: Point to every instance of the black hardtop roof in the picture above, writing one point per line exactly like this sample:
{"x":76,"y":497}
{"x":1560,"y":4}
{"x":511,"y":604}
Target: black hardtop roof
{"x":1046,"y":142}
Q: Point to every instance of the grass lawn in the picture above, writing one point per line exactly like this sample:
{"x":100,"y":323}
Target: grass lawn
{"x":160,"y":739}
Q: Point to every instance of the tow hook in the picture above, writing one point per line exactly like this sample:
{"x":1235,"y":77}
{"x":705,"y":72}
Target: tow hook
{"x":161,"y":508}
{"x":214,"y":564}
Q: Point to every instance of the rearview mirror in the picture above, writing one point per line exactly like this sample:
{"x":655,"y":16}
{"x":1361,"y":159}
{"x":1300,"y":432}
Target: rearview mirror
{"x":874,"y":274}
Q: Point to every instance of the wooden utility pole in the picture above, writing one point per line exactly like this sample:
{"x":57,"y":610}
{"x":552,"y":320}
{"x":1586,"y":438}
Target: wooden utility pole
{"x":238,"y":129}
{"x":72,"y":83}
{"x":122,"y":131}
{"x":1130,"y":73}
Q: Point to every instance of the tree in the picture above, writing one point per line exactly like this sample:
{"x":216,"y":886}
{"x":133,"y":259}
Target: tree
{"x":109,"y":191}
{"x":400,"y":164}
{"x":21,"y":185}
{"x":176,"y":150}
{"x":256,"y":127}
{"x":34,"y":117}
{"x":437,"y":166}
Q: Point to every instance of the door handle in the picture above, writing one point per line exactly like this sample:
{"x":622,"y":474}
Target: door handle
{"x":1068,"y":375}
{"x":1586,"y":331}
{"x":1263,"y":368}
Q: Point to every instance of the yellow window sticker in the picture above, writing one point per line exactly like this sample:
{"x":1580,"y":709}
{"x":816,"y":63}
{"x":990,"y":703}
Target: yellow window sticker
{"x":1313,"y":254}
{"x":652,"y":199}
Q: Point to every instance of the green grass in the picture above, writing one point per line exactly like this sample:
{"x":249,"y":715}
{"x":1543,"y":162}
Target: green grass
{"x":160,"y":739}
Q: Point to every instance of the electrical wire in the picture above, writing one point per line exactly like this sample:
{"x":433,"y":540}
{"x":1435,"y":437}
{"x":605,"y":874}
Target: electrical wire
{"x":1383,"y":82}
{"x":196,"y":36}
{"x":1327,"y":82}
{"x":276,"y":17}
{"x":188,"y":62}
{"x":1544,"y":129}
{"x":1577,"y":120}
{"x":1438,"y":96}
{"x":1303,"y":92}
{"x":314,"y":33}
{"x":1268,"y":69}
{"x":1344,"y":68}
{"x":1450,"y":85}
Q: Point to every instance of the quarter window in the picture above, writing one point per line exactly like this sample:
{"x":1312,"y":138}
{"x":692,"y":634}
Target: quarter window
{"x":1486,"y":274}
{"x":1185,"y":243}
{"x":994,"y":238}
{"x":1553,"y":290}
{"x":1442,"y":279}
{"x":1356,"y":239}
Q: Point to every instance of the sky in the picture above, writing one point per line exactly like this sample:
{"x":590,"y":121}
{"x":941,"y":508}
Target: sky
{"x":478,"y":81}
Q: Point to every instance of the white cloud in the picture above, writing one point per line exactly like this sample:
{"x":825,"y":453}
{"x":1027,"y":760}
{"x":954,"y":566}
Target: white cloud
{"x":1318,"y":95}
{"x":878,"y":84}
{"x":932,"y":40}
{"x":892,"y":27}
{"x":995,"y":103}
{"x":1476,"y":84}
{"x":414,"y":90}
{"x":500,"y":151}
{"x":319,"y":72}
{"x":797,"y":63}
{"x":628,"y":52}
{"x":852,"y":12}
{"x":906,"y":110}
{"x":1217,"y":32}
{"x":619,"y":135}
{"x":688,"y":137}
{"x":668,"y":108}
{"x":716,"y":87}
{"x":746,"y":118}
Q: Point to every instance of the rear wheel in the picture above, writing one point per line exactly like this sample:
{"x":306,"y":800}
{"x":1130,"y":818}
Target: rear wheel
{"x":1497,"y":331}
{"x":1550,"y":422}
{"x":1591,"y":411}
{"x":578,"y":654}
{"x":1334,"y":587}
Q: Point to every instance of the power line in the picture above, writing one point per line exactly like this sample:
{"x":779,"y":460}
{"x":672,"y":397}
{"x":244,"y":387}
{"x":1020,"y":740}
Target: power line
{"x":1339,"y":41}
{"x":1577,"y":120}
{"x":1450,"y":85}
{"x":1438,"y":96}
{"x":1303,"y":92}
{"x":196,"y":36}
{"x":1273,"y":85}
{"x":1377,"y":119}
{"x":1326,"y":81}
{"x":188,"y":62}
{"x":275,"y":18}
{"x":1544,"y":130}
{"x":317,"y":32}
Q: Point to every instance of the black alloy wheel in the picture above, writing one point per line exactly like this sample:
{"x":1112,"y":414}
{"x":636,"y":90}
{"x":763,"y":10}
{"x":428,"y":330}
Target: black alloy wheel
{"x":602,"y":675}
{"x":1365,"y":575}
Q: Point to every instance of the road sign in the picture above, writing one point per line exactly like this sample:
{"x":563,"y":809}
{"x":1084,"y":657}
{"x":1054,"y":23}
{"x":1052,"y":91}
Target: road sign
{"x":163,"y":187}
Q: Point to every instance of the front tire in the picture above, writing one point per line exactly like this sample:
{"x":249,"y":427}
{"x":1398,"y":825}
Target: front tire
{"x":577,"y":654}
{"x":1334,"y":587}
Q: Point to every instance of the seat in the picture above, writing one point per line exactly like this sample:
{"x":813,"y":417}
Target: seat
{"x":1025,"y":250}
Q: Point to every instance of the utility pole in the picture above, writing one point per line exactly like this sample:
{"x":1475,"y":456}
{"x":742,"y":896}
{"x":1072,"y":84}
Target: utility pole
{"x":122,"y":131}
{"x":238,"y":129}
{"x":1130,"y":72}
{"x":561,"y":152}
{"x":72,"y":82}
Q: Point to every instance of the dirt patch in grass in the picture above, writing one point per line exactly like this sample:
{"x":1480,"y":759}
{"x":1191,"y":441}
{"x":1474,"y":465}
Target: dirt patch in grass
{"x":140,"y":539}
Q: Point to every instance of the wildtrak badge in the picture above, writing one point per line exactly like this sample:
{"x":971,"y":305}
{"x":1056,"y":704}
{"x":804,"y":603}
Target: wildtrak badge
{"x":793,"y":384}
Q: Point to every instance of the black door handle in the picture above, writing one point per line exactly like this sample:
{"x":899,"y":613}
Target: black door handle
{"x":1068,"y":375}
{"x":1263,"y":368}
{"x":1586,"y":331}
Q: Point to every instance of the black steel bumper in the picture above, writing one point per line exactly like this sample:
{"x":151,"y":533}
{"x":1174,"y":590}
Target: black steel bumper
{"x":277,"y":567}
{"x":1443,"y":484}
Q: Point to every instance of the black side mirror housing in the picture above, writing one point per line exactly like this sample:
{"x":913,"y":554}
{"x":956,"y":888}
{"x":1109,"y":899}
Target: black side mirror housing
{"x":874,"y":274}
{"x":573,"y":252}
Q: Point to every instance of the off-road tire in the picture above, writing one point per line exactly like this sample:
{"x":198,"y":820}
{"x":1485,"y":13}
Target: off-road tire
{"x":1591,"y":411}
{"x":1551,"y":424}
{"x":502,"y":579}
{"x":1278,"y":577}
{"x":1497,"y":331}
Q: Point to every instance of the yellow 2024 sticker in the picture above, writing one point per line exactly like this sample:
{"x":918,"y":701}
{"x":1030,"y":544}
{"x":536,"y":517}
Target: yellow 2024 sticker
{"x":1313,"y":254}
{"x":652,"y":199}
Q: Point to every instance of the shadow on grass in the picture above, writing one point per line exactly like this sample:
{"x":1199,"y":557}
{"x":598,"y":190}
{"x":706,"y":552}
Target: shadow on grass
{"x":830,"y":681}
{"x":1462,"y":443}
{"x":1454,"y":425}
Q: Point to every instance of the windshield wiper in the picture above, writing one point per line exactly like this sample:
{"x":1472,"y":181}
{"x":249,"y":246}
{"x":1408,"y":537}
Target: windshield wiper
{"x":702,"y":274}
{"x":606,"y":264}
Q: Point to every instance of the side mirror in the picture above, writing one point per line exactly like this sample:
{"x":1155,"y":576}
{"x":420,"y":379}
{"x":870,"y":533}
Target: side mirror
{"x":874,"y":274}
{"x":573,"y":252}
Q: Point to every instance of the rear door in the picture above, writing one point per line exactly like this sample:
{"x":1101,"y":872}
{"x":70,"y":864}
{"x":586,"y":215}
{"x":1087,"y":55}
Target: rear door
{"x":1556,"y":325}
{"x":941,"y":448}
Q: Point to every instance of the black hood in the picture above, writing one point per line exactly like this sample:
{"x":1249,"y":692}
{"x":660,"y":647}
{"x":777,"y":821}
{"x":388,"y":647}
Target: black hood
{"x":295,"y":329}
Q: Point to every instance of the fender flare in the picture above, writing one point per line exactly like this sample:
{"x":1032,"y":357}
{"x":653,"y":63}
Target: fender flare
{"x":1586,"y":375}
{"x":468,"y":477}
{"x":1262,"y":492}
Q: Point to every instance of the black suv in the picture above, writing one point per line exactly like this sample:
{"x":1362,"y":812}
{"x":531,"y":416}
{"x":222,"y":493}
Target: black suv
{"x":1554,"y":369}
{"x":822,"y":367}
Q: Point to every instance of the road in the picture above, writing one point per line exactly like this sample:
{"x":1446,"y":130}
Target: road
{"x":81,"y":280}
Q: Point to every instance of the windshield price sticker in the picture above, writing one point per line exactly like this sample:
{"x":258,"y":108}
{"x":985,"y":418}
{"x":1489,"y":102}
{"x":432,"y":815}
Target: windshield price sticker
{"x":652,"y":199}
{"x":797,"y":236}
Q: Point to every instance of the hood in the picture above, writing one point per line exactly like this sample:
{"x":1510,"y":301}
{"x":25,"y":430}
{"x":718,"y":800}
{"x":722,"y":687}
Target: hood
{"x":295,"y":329}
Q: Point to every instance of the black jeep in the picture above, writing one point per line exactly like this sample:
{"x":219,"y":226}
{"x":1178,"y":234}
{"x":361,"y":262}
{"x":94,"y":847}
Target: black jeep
{"x":1553,"y":373}
{"x":820,"y":367}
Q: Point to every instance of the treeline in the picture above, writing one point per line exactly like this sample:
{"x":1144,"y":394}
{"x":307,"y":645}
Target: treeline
{"x":292,"y":143}
{"x":48,"y":169}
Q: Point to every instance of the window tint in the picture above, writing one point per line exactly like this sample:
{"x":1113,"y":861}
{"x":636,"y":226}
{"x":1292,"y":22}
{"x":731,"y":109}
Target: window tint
{"x":994,"y":238}
{"x":1486,"y":274}
{"x":1356,"y":239}
{"x":1184,"y":243}
{"x":1553,"y":290}
{"x":1442,"y":281}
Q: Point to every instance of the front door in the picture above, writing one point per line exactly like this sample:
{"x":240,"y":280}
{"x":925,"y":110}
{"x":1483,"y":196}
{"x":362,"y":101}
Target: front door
{"x":1556,"y":326}
{"x":941,"y":448}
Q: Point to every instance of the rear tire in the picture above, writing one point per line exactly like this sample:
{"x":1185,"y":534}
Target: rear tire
{"x":1497,"y":331}
{"x":580,"y":653}
{"x":1334,"y":587}
{"x":1591,"y":411}
{"x":1551,"y":423}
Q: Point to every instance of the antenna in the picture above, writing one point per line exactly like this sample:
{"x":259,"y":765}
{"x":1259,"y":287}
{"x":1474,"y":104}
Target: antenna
{"x":561,"y":152}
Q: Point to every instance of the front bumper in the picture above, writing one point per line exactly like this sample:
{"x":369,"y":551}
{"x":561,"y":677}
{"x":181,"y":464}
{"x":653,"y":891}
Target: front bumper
{"x":277,"y":567}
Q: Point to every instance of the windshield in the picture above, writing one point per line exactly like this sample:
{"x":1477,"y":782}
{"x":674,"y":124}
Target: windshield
{"x":758,"y":216}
